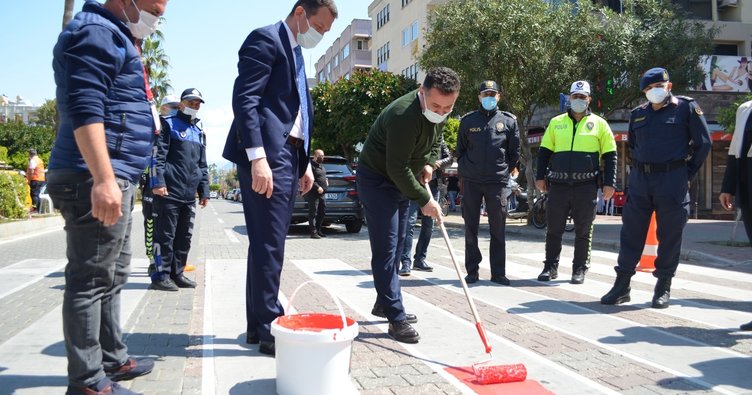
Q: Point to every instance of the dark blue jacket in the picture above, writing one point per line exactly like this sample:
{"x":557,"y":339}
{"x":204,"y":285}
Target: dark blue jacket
{"x":265,"y":98}
{"x":488,"y":146}
{"x":180,"y":162}
{"x":100,"y":79}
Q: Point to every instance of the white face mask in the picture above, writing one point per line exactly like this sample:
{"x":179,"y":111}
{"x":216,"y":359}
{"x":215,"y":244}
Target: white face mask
{"x":310,"y":38}
{"x":190,"y":112}
{"x":146,"y":25}
{"x":657,"y":95}
{"x":579,"y":105}
{"x":432,"y":116}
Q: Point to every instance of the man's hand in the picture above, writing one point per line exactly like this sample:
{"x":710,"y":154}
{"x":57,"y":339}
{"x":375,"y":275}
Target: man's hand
{"x":261,"y":176}
{"x":320,"y":190}
{"x":159,"y":191}
{"x":608,"y":192}
{"x":541,"y":185}
{"x":106,"y":201}
{"x":306,"y":182}
{"x":203,"y":202}
{"x":433,"y":210}
{"x":426,"y":174}
{"x":514,"y":173}
{"x":727,"y":201}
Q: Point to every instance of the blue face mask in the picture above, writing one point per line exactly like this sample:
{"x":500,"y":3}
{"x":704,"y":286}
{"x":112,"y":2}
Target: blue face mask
{"x":489,"y":103}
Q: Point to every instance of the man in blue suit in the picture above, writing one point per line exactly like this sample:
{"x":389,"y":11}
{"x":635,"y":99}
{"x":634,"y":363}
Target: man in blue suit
{"x":269,"y":141}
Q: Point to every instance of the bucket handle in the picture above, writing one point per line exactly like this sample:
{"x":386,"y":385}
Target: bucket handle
{"x":336,"y":299}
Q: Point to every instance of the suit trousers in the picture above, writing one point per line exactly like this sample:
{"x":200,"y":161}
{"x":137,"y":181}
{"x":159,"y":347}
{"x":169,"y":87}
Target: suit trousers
{"x":664,"y":193}
{"x":495,"y":196}
{"x":579,"y":200}
{"x":386,"y":215}
{"x":267,"y":221}
{"x":316,"y":210}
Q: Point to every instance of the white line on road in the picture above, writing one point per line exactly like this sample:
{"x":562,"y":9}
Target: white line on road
{"x":231,"y":236}
{"x":207,"y":367}
{"x":220,"y":220}
{"x":27,"y":272}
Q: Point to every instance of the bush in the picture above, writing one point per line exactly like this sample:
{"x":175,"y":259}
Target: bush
{"x":14,"y":193}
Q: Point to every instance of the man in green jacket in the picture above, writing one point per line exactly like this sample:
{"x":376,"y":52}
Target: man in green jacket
{"x":396,"y":162}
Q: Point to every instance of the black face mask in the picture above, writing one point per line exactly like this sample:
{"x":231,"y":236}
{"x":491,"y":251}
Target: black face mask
{"x":319,"y":160}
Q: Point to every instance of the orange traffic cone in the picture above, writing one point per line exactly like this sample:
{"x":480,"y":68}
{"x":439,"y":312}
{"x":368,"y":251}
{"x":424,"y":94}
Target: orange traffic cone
{"x":647,"y":261}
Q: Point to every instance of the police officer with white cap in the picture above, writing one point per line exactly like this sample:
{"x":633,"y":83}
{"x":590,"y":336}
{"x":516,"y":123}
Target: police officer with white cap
{"x":568,"y":169}
{"x":668,"y":142}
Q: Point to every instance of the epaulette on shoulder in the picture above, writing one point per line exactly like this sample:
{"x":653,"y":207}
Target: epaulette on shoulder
{"x":509,"y":114}
{"x":469,"y":113}
{"x":641,"y":106}
{"x":687,"y":98}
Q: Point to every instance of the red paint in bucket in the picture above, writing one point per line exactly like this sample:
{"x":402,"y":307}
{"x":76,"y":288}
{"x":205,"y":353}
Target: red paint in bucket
{"x":313,"y":322}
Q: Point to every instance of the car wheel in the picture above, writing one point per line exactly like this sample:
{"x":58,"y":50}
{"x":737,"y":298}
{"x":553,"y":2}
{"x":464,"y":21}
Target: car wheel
{"x":354,"y":226}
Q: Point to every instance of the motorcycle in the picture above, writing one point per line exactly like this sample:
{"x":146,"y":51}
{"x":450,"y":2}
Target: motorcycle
{"x":517,"y":206}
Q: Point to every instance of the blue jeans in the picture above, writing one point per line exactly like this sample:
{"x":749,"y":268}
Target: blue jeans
{"x":452,"y":196}
{"x":99,"y":259}
{"x":426,"y":228}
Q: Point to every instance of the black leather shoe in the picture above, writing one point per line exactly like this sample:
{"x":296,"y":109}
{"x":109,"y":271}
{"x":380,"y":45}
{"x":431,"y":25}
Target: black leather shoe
{"x":151,"y":269}
{"x":267,"y":348}
{"x":471,"y":278}
{"x":405,"y":269}
{"x":422,"y":266}
{"x":403,"y":332}
{"x":164,"y":285}
{"x":315,"y":235}
{"x":498,"y":279}
{"x":320,"y":233}
{"x":184,"y":282}
{"x":746,"y":327}
{"x":131,"y":369}
{"x":619,"y":293}
{"x":578,"y":276}
{"x":550,"y":272}
{"x":662,"y":293}
{"x":378,"y":311}
{"x":251,"y":338}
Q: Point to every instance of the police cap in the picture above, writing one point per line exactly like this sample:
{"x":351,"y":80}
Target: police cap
{"x":191,"y":94}
{"x":656,"y":74}
{"x":488,"y":85}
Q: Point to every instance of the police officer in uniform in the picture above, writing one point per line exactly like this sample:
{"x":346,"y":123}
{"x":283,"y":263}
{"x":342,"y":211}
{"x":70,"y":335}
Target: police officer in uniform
{"x":488,"y":149}
{"x":569,"y":159}
{"x":668,"y":142}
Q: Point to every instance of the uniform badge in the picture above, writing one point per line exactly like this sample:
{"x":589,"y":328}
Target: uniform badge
{"x":500,"y":127}
{"x":698,"y":110}
{"x":183,"y":134}
{"x":639,"y":119}
{"x":589,"y":125}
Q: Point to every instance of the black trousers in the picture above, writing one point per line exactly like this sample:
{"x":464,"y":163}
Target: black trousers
{"x":316,"y":210}
{"x":34,"y":188}
{"x":580,"y":200}
{"x":174,"y":230}
{"x":495,"y":196}
{"x":747,"y":219}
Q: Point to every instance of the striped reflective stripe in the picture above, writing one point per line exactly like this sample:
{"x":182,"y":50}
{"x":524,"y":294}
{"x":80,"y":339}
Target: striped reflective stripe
{"x":650,"y":250}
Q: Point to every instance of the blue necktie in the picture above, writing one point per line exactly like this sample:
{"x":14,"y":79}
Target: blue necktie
{"x":302,"y":93}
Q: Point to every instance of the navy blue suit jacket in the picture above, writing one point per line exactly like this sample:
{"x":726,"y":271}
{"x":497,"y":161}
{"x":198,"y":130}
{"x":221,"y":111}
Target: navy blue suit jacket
{"x":265,"y":98}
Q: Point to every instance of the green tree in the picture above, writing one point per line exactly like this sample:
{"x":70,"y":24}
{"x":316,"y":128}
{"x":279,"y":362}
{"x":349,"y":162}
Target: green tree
{"x":535,"y":50}
{"x":451,"y":126}
{"x":346,"y":109}
{"x":727,"y":115}
{"x":19,"y":137}
{"x":47,"y":115}
{"x":157,"y":63}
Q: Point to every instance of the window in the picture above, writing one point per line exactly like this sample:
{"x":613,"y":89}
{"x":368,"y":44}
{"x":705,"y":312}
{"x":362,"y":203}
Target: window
{"x":382,"y":54}
{"x":321,"y":76}
{"x":335,"y":61}
{"x":406,"y":2}
{"x":410,"y":33}
{"x":411,"y":72}
{"x":346,"y":51}
{"x":347,"y":76}
{"x":328,"y":68}
{"x":360,"y":45}
{"x":382,"y":17}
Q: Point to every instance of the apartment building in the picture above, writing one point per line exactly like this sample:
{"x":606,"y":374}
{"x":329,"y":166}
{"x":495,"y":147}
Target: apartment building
{"x":398,"y":28}
{"x":351,"y":51}
{"x":19,"y":109}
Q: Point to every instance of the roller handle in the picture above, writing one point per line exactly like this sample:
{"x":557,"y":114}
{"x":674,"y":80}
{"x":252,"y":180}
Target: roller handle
{"x":483,"y":338}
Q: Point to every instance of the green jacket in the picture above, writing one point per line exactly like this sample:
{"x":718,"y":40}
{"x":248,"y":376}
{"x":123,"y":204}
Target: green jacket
{"x":400,"y":142}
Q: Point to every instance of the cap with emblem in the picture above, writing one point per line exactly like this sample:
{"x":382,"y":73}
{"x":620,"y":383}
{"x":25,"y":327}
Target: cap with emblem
{"x":192,"y":94}
{"x":581,"y":87}
{"x":656,"y":74}
{"x":170,"y":99}
{"x":488,"y":85}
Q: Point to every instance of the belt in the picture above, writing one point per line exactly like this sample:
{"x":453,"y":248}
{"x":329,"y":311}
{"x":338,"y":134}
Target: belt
{"x":294,"y":141}
{"x":648,"y":168}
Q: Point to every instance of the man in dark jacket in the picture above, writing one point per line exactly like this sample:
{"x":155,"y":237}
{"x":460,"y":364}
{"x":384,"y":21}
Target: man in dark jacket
{"x":488,"y":148}
{"x":107,"y":118}
{"x":180,"y":171}
{"x":315,"y":197}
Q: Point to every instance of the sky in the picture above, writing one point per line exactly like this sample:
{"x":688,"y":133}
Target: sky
{"x":202,"y":38}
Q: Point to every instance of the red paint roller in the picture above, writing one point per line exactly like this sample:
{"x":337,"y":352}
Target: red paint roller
{"x":484,"y":373}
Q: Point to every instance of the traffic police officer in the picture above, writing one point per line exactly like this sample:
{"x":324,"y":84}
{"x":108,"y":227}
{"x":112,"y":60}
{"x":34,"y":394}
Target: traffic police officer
{"x":668,"y":142}
{"x":488,"y":149}
{"x":569,"y":158}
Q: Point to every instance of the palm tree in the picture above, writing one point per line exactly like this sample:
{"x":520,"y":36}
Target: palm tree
{"x":156,"y":62}
{"x":68,"y":12}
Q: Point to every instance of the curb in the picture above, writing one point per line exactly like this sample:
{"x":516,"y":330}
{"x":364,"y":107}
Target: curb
{"x":26,"y":226}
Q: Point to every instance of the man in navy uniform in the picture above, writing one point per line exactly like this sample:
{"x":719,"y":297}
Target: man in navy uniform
{"x":668,"y":142}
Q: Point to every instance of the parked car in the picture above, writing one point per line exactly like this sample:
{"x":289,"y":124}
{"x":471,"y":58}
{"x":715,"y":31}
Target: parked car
{"x":213,"y":195}
{"x":229,"y":195}
{"x":237,"y":196}
{"x":342,"y":201}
